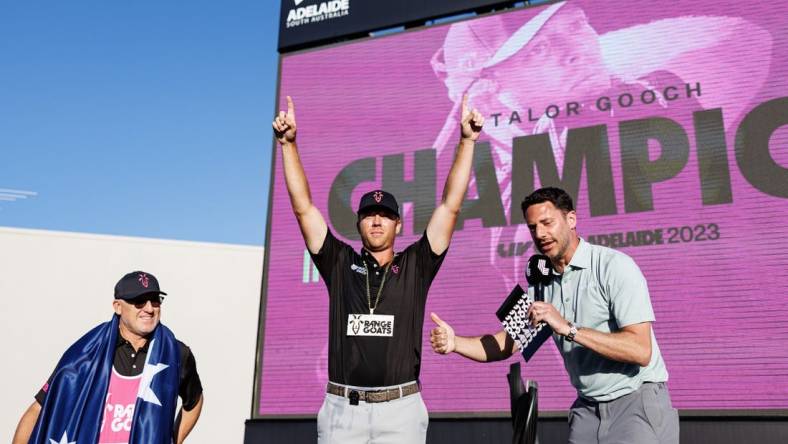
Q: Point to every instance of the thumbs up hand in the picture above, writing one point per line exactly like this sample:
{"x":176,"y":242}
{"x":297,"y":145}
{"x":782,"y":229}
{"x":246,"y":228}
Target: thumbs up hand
{"x":442,"y":336}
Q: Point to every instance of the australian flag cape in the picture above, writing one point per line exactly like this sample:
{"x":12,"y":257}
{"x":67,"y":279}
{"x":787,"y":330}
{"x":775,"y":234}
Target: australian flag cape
{"x":74,"y":405}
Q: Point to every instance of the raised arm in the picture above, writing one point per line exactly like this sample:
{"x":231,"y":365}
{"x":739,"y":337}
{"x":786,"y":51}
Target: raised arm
{"x":487,"y":348}
{"x":441,"y":225}
{"x":313,"y":226}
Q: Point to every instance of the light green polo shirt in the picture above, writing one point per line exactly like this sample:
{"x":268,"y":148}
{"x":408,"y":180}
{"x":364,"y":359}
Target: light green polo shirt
{"x":603,"y":289}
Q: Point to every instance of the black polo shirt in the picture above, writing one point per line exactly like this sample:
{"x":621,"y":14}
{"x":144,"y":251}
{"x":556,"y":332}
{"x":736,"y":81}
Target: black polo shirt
{"x":128,"y":362}
{"x":374,"y":361}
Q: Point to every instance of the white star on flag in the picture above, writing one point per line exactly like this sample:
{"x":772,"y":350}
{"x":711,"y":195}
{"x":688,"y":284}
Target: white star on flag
{"x":63,"y":440}
{"x":148,"y":372}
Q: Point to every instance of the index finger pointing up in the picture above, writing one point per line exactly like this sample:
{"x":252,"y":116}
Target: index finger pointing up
{"x":464,"y":103}
{"x":290,"y":107}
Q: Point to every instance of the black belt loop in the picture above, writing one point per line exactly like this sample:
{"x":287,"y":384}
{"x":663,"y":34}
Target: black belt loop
{"x":354,"y":397}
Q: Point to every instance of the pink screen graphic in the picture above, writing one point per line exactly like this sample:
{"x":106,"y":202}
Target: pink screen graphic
{"x":668,"y":123}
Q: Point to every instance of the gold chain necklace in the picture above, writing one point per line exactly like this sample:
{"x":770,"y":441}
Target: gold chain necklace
{"x":380,"y":290}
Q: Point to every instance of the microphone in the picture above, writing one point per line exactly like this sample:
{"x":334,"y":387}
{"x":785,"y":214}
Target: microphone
{"x":513,"y":312}
{"x":538,"y":273}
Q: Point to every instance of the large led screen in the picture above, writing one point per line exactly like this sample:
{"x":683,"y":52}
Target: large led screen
{"x":668,"y":122}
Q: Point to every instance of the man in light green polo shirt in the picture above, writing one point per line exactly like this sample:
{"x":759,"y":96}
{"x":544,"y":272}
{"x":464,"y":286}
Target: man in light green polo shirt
{"x":600,"y":312}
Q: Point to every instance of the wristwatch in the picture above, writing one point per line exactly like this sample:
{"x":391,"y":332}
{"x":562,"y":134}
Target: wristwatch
{"x":572,"y":332}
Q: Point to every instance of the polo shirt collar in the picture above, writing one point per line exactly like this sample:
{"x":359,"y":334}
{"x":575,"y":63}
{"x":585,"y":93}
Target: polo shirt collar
{"x":582,"y":256}
{"x":370,"y":259}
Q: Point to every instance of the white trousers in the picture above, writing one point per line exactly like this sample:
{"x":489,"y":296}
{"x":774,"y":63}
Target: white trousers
{"x":401,"y":421}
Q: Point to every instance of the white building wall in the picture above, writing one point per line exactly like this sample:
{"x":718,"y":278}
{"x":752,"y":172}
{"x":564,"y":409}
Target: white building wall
{"x":55,"y":286}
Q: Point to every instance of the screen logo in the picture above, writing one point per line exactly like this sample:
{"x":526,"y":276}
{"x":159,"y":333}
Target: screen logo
{"x":318,"y":12}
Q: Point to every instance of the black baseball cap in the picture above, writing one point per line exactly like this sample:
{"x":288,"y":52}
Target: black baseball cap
{"x":136,"y":284}
{"x":378,"y":200}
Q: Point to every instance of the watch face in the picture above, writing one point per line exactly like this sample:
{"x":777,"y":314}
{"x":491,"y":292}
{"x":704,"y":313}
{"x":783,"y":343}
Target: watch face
{"x":572,"y":332}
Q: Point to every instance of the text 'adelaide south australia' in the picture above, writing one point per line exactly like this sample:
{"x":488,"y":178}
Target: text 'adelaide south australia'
{"x":317,"y":12}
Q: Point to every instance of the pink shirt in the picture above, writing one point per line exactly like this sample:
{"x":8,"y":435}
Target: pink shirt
{"x":119,"y":408}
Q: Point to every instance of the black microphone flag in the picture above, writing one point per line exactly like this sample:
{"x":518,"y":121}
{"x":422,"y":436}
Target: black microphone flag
{"x":513,"y":312}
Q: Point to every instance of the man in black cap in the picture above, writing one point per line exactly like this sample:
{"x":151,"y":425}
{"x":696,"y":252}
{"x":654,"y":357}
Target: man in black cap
{"x":376,"y":298}
{"x":120,"y":382}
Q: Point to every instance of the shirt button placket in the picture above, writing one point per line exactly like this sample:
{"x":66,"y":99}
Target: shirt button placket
{"x":566,"y":293}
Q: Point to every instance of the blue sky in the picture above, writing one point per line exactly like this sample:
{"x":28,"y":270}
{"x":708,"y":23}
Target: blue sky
{"x":138,"y":118}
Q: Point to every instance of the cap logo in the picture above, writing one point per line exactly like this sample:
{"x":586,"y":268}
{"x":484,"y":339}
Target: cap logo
{"x":143,"y":279}
{"x":378,"y":196}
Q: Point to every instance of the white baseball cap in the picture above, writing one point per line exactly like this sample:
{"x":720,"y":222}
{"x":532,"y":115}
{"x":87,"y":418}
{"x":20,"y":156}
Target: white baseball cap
{"x":522,"y":36}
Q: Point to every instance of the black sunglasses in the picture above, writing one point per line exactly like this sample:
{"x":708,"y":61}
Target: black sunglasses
{"x":139,"y":303}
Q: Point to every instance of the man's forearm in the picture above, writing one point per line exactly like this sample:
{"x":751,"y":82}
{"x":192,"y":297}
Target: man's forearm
{"x":26,"y":424}
{"x":295,"y":179}
{"x":470,"y":347}
{"x":441,"y":225}
{"x":313,"y":226}
{"x":623,"y":346}
{"x":188,"y":420}
{"x":459,"y":176}
{"x":487,"y":348}
{"x":631,"y":344}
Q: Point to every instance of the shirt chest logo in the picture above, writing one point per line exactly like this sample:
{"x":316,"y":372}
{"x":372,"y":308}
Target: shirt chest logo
{"x":370,"y":325}
{"x":358,"y":269}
